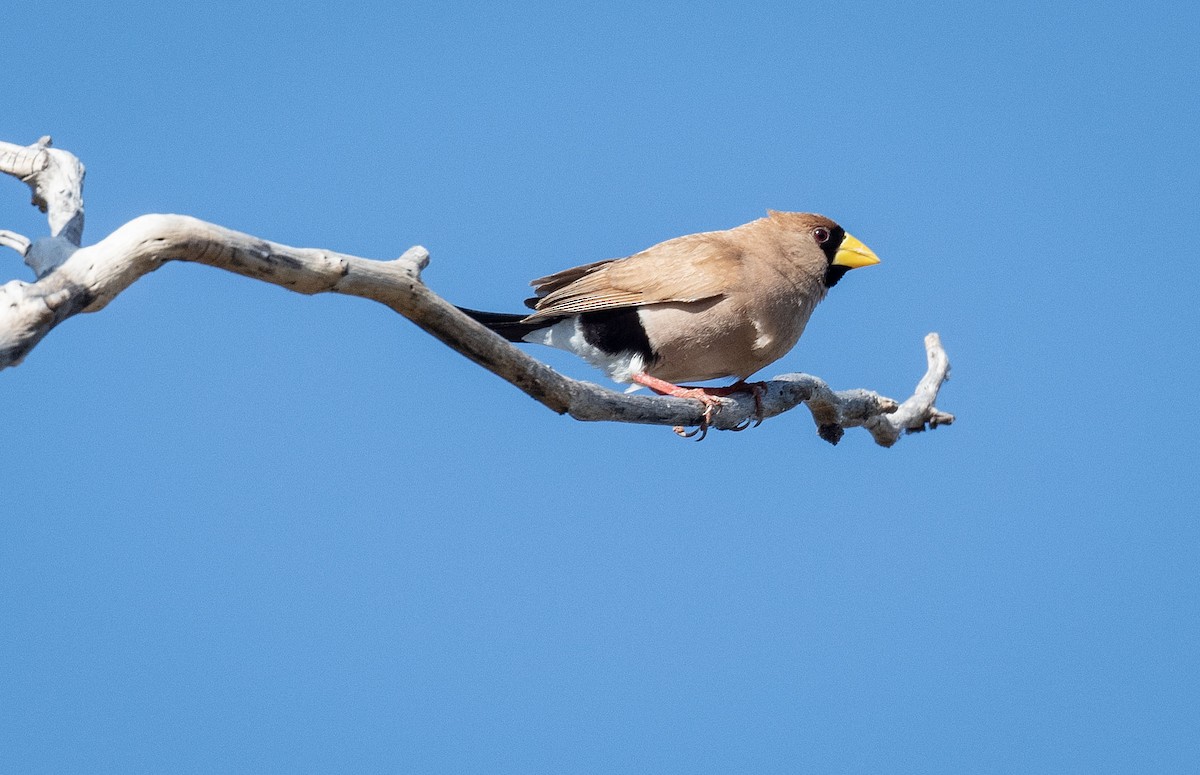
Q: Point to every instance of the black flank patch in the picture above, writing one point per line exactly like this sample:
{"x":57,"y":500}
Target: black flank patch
{"x":616,"y":331}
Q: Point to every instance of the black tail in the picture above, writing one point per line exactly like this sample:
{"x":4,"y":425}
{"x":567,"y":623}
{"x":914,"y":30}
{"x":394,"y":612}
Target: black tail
{"x":507,"y":325}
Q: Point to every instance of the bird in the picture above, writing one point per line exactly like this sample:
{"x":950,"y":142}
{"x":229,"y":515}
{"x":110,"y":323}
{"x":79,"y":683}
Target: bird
{"x":707,"y":306}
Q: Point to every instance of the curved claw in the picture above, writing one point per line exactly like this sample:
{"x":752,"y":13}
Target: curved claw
{"x":702,"y":430}
{"x":757,"y":389}
{"x":710,"y":405}
{"x":745,"y":424}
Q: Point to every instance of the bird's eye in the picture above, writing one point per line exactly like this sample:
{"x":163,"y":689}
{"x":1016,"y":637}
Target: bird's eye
{"x":821,"y":235}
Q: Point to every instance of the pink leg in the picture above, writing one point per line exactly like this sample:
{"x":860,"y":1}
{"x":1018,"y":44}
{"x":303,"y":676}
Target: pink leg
{"x":662,"y":387}
{"x":756,"y":389}
{"x":706,"y":396}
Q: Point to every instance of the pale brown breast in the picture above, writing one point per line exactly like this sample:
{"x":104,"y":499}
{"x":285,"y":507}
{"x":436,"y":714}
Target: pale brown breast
{"x":721,"y":337}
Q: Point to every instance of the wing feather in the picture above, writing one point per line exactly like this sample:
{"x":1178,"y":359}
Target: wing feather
{"x":685,"y":269}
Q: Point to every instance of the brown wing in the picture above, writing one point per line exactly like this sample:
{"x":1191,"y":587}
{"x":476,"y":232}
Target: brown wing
{"x":691,"y":268}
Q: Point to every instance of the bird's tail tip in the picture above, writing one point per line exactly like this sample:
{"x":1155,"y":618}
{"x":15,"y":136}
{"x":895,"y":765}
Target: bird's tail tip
{"x":508,"y":325}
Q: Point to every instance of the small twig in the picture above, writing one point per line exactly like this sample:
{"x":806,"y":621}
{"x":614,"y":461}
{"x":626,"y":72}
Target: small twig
{"x":55,"y":178}
{"x":18,"y":242}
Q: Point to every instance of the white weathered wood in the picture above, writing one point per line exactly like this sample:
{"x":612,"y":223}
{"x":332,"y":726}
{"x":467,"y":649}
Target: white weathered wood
{"x":73,"y":279}
{"x":18,"y":242}
{"x":56,"y":179}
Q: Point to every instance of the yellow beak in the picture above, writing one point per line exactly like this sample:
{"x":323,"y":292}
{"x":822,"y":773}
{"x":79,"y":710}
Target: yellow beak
{"x":853,"y":254}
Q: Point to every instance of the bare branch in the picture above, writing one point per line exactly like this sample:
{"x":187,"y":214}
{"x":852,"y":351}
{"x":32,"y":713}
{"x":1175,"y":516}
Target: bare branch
{"x":18,"y":242}
{"x":56,"y":180}
{"x":87,"y":278}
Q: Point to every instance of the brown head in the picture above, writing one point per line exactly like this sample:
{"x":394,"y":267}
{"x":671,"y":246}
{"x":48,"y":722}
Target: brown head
{"x":842,"y":252}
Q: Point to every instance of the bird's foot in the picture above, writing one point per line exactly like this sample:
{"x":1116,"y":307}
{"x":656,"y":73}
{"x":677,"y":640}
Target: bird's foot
{"x":710,"y":397}
{"x":755,"y":389}
{"x":712,"y":405}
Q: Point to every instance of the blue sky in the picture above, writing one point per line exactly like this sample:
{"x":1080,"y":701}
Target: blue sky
{"x":250,"y":531}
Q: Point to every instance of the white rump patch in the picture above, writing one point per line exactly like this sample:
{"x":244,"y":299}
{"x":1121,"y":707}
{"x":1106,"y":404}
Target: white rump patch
{"x":568,"y":335}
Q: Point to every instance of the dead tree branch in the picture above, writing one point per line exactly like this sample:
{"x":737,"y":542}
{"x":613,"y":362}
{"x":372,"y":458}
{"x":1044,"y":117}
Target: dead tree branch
{"x":72,"y":279}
